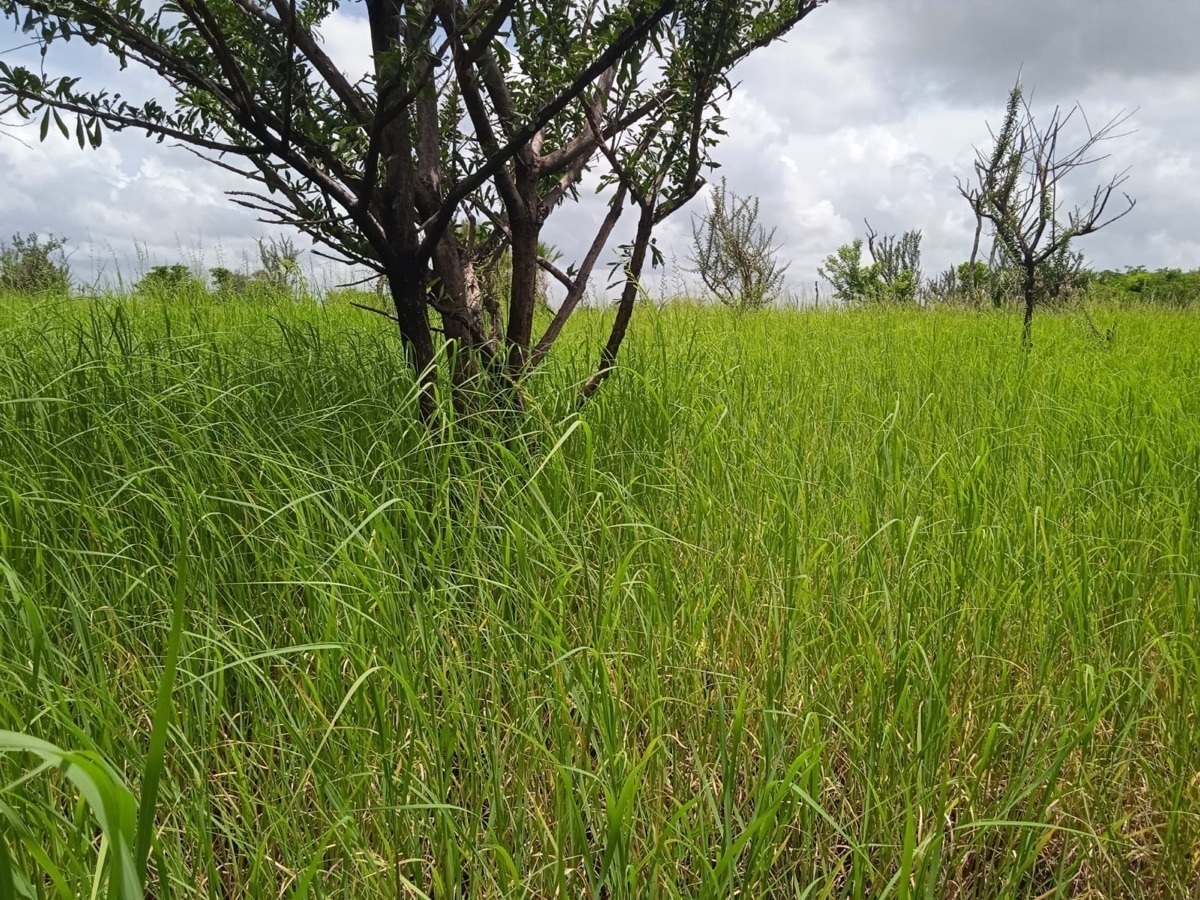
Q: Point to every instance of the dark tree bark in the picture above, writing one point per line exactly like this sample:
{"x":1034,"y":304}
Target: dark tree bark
{"x":412,"y":318}
{"x":1029,"y":292}
{"x":633,"y":284}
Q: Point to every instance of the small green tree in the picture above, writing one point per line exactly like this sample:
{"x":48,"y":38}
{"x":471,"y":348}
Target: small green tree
{"x":33,"y":265}
{"x":852,"y":281}
{"x":969,"y":272}
{"x":733,"y":253}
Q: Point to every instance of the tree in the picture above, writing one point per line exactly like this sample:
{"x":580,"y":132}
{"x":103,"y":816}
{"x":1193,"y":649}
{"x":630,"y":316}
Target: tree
{"x":735,"y":255}
{"x":1017,"y":190}
{"x":852,"y":281}
{"x":475,"y":111}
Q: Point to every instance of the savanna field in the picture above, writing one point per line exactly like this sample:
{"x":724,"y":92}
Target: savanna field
{"x":804,"y":604}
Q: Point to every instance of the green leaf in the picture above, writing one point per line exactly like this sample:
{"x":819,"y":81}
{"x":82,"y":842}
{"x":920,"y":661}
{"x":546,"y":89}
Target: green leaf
{"x":152,"y":771}
{"x":110,"y":800}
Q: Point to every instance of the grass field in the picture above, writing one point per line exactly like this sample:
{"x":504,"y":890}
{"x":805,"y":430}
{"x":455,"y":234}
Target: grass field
{"x":803,"y":605}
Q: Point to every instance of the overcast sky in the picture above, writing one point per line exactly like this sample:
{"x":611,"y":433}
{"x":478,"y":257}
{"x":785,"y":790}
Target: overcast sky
{"x":869,"y":110}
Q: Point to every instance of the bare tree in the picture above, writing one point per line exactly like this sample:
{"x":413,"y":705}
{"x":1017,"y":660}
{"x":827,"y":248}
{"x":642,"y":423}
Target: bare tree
{"x":974,"y":197}
{"x":734,"y":255}
{"x":1019,"y":184}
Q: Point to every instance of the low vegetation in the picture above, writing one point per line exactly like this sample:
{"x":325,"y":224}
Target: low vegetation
{"x":381,"y":596}
{"x":858,"y":604}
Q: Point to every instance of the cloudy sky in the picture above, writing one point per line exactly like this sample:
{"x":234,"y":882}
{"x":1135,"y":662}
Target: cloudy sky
{"x":869,"y":110}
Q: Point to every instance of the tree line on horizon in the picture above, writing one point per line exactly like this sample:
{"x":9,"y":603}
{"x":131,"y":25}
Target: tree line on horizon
{"x":33,"y":266}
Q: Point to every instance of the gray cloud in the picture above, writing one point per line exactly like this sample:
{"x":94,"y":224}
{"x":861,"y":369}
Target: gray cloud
{"x":965,"y":49}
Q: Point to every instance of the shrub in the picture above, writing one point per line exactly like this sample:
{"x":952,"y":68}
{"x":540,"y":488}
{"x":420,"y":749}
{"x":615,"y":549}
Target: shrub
{"x":853,"y":282}
{"x":953,"y":286}
{"x":278,"y":278}
{"x":228,"y":283}
{"x":170,"y":282}
{"x":31,"y":265}
{"x":893,"y":275}
{"x":734,"y":254}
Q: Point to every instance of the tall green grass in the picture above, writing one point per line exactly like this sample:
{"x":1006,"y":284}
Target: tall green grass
{"x":803,"y":605}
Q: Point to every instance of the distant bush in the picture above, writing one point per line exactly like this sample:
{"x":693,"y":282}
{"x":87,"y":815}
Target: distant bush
{"x":228,"y":283}
{"x":170,"y":282}
{"x":1161,"y":287}
{"x":998,"y":287}
{"x":954,"y":286}
{"x":31,"y":265}
{"x":279,"y":277}
{"x":963,"y":272}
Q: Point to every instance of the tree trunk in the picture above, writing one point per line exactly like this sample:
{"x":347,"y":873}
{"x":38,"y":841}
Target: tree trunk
{"x":633,"y":275}
{"x":973,"y":287}
{"x":462,"y":317}
{"x":997,"y":300}
{"x":1030,"y":291}
{"x":575,"y":294}
{"x":412,"y":318}
{"x":474,"y":298}
{"x":522,"y":291}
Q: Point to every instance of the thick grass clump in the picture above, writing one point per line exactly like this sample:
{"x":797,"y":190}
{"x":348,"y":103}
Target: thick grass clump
{"x":803,"y":605}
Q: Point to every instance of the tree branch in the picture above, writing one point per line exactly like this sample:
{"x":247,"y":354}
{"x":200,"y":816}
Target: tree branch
{"x":640,"y":28}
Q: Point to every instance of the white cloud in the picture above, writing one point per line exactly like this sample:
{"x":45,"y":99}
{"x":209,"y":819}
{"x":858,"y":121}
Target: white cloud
{"x":347,"y":40}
